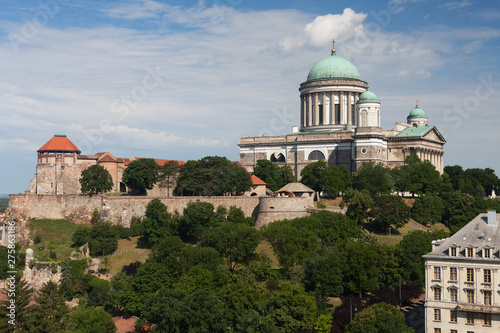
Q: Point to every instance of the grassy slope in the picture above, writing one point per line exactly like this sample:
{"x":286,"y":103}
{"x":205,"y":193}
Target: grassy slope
{"x":55,"y":235}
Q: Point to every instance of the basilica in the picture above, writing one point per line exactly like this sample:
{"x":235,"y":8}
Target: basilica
{"x":340,"y":123}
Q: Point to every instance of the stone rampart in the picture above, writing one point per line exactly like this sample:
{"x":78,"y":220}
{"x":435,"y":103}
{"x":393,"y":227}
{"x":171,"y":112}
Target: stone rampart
{"x":280,"y":208}
{"x":118,"y":210}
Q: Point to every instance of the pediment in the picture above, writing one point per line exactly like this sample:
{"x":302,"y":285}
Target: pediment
{"x":434,"y":135}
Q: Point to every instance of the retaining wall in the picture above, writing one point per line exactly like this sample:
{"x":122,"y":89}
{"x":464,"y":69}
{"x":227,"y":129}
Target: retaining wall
{"x":118,"y":210}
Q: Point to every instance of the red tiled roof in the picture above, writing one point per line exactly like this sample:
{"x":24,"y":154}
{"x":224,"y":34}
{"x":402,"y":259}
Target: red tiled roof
{"x":59,"y":143}
{"x":124,"y":324}
{"x":257,"y":181}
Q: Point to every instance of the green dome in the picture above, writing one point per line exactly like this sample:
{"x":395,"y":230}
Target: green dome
{"x":333,"y":68}
{"x":368,"y":97}
{"x":417,"y":113}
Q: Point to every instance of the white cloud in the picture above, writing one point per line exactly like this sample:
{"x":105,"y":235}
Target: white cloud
{"x":142,"y":9}
{"x":342,"y":26}
{"x":451,"y":5}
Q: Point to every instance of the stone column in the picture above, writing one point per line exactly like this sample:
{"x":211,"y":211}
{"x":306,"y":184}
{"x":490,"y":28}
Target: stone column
{"x":342,"y":109}
{"x":324,"y":111}
{"x":316,"y":109}
{"x":332,"y":109}
{"x":349,"y":111}
{"x":309,"y":110}
{"x":302,"y":111}
{"x":356,"y":98}
{"x":327,"y":120}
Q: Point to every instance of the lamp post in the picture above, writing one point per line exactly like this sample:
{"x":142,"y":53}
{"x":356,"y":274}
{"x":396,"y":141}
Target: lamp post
{"x":350,"y":307}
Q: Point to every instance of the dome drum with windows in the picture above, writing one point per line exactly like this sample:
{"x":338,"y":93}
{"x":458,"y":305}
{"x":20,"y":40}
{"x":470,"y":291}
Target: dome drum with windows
{"x":331,"y":96}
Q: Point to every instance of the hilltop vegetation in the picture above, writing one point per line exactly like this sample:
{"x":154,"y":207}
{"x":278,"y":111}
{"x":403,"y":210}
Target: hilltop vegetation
{"x":207,"y":269}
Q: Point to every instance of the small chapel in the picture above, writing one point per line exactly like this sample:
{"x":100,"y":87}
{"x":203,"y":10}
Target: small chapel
{"x":340,"y":123}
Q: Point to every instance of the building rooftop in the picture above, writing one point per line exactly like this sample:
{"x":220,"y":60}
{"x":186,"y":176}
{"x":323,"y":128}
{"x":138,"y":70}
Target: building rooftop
{"x":257,"y":181}
{"x":295,"y":187}
{"x":59,"y":143}
{"x":414,"y":132}
{"x":482,"y":232}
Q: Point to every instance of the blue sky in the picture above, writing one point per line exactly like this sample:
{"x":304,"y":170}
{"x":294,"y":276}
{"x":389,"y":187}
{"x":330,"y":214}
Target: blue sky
{"x":186,"y":79}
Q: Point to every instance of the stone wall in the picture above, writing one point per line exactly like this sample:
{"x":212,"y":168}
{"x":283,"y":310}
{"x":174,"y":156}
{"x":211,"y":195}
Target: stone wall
{"x":118,"y":210}
{"x":279,"y":208}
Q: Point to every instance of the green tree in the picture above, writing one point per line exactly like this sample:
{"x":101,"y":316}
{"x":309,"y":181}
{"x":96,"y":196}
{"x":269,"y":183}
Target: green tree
{"x":196,"y":219}
{"x":97,"y":290}
{"x":103,"y":239}
{"x":375,"y":178}
{"x":400,"y":177}
{"x":81,"y":236}
{"x":166,"y":252}
{"x":212,"y":175}
{"x":157,"y":223}
{"x":427,"y":209}
{"x":292,"y":309}
{"x":236,"y":215}
{"x":388,"y":211}
{"x":275,"y":176}
{"x":286,"y":175}
{"x":294,"y":240}
{"x":50,"y":314}
{"x":91,"y":320}
{"x":96,"y":179}
{"x":197,"y":278}
{"x":206,"y":257}
{"x":324,"y":271}
{"x":141,"y":175}
{"x":199,"y":312}
{"x":149,"y":279}
{"x":320,"y":177}
{"x":363,"y":262}
{"x":236,"y":242}
{"x":358,"y":205}
{"x":167,"y":174}
{"x":121,"y":293}
{"x":379,"y":318}
{"x":244,"y":302}
{"x":422,"y":176}
{"x":23,"y":313}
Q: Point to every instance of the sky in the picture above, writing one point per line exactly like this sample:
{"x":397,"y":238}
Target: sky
{"x":187,"y":79}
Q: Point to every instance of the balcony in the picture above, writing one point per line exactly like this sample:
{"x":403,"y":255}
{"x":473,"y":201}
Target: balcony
{"x":478,"y":308}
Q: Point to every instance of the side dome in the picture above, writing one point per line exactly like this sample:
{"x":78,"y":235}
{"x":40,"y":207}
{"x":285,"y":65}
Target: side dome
{"x":417,"y":113}
{"x":333,"y":68}
{"x":368,"y":97}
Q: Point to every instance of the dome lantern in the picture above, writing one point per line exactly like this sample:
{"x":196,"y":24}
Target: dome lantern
{"x":417,"y":117}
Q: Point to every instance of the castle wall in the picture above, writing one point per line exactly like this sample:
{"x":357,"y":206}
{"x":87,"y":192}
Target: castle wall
{"x":118,"y":210}
{"x":280,"y":208}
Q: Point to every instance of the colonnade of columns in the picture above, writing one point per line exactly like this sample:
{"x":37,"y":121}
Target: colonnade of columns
{"x":433,"y":156}
{"x":328,"y":108}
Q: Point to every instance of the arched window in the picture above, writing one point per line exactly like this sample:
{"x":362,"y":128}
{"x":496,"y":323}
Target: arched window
{"x":364,"y":118}
{"x":316,"y":155}
{"x":279,"y":158}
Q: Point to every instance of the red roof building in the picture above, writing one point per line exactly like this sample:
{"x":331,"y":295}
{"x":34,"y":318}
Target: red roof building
{"x":59,"y":144}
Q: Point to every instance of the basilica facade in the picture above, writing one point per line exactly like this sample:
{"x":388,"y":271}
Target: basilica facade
{"x":340,"y":123}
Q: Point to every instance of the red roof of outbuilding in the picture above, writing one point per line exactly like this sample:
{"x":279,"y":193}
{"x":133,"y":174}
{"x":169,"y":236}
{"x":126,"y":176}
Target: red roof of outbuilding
{"x":59,"y":143}
{"x":257,"y":181}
